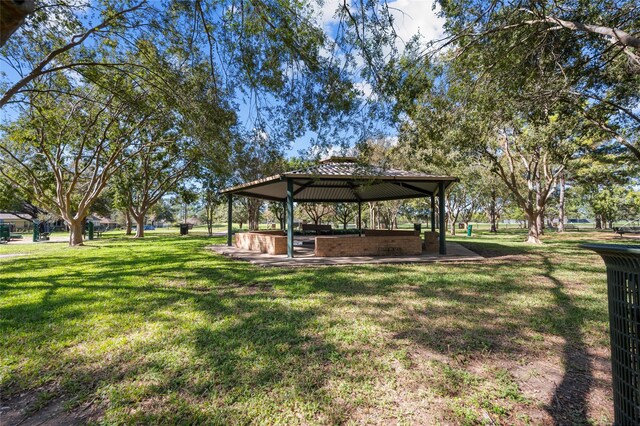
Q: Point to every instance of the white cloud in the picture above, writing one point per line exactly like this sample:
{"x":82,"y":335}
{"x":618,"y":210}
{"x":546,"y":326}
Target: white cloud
{"x":411,"y":17}
{"x":365,"y":88}
{"x":416,"y":16}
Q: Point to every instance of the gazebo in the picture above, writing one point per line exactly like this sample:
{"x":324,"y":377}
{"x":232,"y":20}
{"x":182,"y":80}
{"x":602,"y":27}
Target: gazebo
{"x":344,"y":180}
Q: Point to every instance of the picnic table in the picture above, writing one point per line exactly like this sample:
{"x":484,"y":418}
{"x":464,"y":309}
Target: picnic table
{"x":621,"y":230}
{"x":310,"y":228}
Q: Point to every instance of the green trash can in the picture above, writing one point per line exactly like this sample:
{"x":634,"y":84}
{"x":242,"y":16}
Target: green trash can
{"x":5,"y":232}
{"x":623,"y":290}
{"x":469,"y":230}
{"x":90,"y":230}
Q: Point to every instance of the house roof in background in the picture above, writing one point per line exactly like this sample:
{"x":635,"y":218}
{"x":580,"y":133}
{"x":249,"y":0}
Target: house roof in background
{"x":10,"y":216}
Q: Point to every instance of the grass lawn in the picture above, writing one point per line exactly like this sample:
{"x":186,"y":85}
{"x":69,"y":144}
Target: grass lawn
{"x":162,"y":330}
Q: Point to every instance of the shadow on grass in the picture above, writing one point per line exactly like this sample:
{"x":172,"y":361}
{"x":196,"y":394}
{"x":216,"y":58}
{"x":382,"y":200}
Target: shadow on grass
{"x":246,"y":337}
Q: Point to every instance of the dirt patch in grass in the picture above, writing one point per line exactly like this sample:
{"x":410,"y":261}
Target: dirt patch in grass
{"x":39,"y":408}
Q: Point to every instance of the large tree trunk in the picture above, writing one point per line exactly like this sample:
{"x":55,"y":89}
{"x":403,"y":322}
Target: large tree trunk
{"x":127,"y":218}
{"x":75,"y":233}
{"x":540,"y":223}
{"x":534,"y":231}
{"x":139,"y":226}
{"x":561,"y":204}
{"x":253,"y":213}
{"x":598,"y":222}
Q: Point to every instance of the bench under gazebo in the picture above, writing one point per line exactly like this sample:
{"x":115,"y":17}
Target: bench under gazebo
{"x":342,"y":180}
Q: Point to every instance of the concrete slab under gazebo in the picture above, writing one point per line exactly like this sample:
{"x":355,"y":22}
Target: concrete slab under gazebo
{"x":342,"y":180}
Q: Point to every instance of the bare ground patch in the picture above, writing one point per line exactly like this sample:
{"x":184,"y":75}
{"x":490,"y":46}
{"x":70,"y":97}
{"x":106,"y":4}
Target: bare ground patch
{"x":29,"y":409}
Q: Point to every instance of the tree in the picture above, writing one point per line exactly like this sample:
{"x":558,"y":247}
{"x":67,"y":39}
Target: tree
{"x":211,"y":199}
{"x":344,"y":213}
{"x":278,"y":211}
{"x":601,"y":179}
{"x":525,"y":143}
{"x":493,"y":198}
{"x":591,"y":46}
{"x":387,"y":213}
{"x":239,"y":213}
{"x":462,"y":202}
{"x":562,"y":184}
{"x":416,"y":210}
{"x":186,"y":196}
{"x":316,"y":211}
{"x":255,"y":155}
{"x":46,"y":48}
{"x":64,"y":149}
{"x":13,"y":13}
{"x":155,"y":171}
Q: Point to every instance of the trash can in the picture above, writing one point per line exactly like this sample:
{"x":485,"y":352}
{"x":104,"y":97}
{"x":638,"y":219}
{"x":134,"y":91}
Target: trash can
{"x":5,"y":233}
{"x":90,"y":229}
{"x":184,"y":229}
{"x":36,"y":231}
{"x":469,"y":230}
{"x":417,"y":227}
{"x":623,"y":290}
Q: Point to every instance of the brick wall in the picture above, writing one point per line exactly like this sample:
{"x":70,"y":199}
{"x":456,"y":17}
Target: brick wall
{"x":389,"y":233}
{"x":272,"y":242}
{"x":406,"y":245}
{"x":431,"y":242}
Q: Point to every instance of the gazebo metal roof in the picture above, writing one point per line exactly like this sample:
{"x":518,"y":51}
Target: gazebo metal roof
{"x":343,"y":179}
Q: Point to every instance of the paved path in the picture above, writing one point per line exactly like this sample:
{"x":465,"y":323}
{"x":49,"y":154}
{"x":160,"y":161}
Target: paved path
{"x":29,"y":240}
{"x":305,"y":257}
{"x":2,"y":256}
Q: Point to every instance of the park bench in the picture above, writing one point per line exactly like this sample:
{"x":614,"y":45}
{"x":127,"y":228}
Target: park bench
{"x":309,"y":228}
{"x":570,"y":226}
{"x":627,"y":230}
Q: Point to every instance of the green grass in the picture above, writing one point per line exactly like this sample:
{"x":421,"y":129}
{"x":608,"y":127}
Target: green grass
{"x":162,"y":330}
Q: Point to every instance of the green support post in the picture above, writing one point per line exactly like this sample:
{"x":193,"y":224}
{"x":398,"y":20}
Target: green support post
{"x":289,"y":218}
{"x":360,"y":218}
{"x":229,"y":218}
{"x":433,"y":213}
{"x":90,"y":230}
{"x":442,"y":212}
